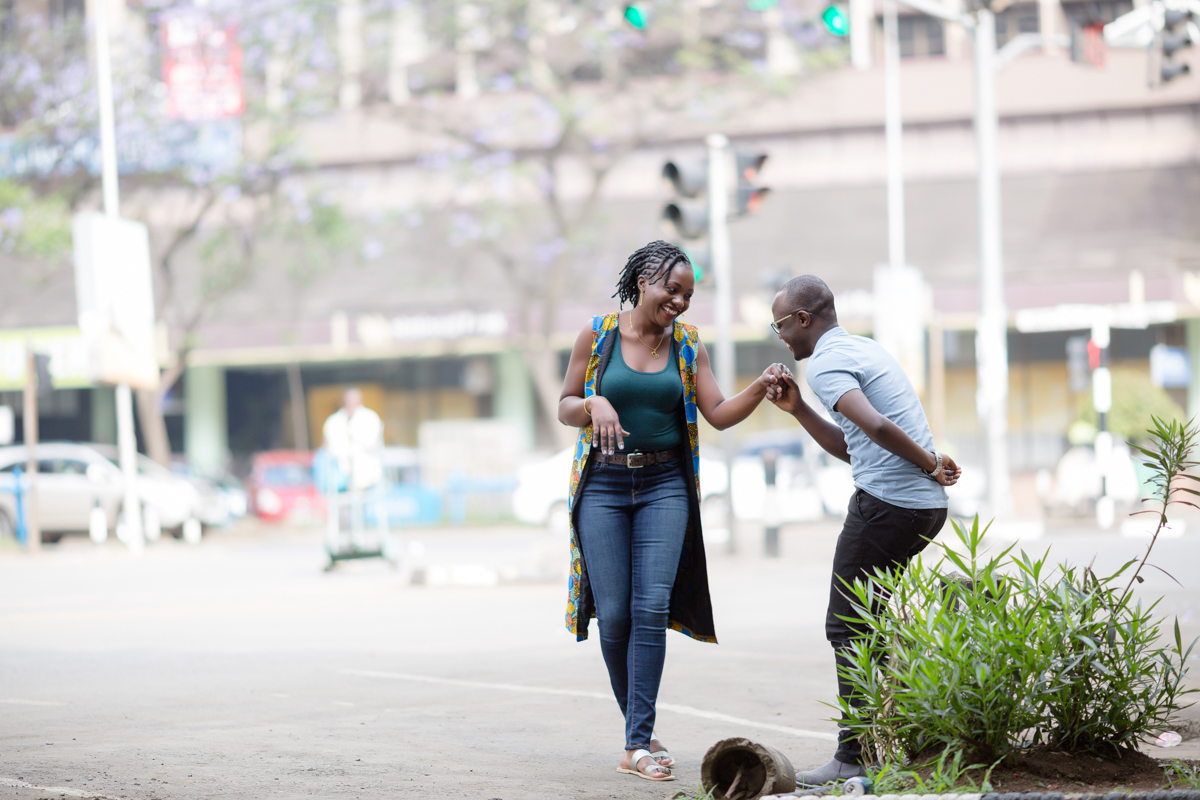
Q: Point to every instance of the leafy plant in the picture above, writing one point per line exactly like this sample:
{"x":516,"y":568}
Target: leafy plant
{"x":1136,"y":403}
{"x":943,"y":774}
{"x":699,"y":793}
{"x":978,"y":653}
{"x":39,"y":227}
{"x":1180,"y":774}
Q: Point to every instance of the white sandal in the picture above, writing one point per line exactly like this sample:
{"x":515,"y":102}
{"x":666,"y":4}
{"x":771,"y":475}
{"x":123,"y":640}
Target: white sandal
{"x":659,"y":755}
{"x":637,"y":756}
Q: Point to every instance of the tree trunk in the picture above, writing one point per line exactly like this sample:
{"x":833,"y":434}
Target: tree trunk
{"x":154,"y":426}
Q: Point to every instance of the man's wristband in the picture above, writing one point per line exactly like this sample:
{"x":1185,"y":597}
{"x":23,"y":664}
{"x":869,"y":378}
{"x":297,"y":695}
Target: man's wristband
{"x":937,"y":469}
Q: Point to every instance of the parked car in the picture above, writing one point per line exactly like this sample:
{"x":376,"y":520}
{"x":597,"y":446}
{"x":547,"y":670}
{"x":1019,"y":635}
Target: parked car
{"x":281,"y":487}
{"x":74,"y":478}
{"x":1077,"y":480}
{"x":809,"y":482}
{"x":222,"y":497}
{"x":541,"y":494}
{"x":174,"y":497}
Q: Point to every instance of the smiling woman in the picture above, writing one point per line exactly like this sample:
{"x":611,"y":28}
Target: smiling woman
{"x":636,"y":547}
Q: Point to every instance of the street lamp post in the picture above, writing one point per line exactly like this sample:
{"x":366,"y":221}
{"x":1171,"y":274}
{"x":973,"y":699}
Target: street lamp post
{"x":126,"y":441}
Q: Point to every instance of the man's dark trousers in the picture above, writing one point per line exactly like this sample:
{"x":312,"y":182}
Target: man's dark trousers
{"x":877,"y":535}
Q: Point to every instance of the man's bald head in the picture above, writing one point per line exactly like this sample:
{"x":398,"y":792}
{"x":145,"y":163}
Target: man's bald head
{"x":809,"y":293}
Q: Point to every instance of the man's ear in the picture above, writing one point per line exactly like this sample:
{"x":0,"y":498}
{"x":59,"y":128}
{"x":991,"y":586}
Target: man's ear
{"x":804,"y":318}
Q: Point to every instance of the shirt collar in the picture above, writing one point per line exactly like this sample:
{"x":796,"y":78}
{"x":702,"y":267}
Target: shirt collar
{"x":828,"y":336}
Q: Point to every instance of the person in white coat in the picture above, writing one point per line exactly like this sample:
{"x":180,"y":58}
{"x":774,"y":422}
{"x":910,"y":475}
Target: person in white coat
{"x":354,"y":437}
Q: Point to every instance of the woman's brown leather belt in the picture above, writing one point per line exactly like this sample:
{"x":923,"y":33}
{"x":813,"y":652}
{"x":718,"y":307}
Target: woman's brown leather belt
{"x":638,"y":460}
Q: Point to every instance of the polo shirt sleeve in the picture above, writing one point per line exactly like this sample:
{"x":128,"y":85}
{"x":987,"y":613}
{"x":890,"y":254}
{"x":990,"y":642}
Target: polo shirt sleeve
{"x":831,"y":376}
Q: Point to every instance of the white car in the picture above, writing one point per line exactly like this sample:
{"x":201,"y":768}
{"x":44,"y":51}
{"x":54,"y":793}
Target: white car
{"x":541,"y":494}
{"x":808,"y":482}
{"x":74,"y":478}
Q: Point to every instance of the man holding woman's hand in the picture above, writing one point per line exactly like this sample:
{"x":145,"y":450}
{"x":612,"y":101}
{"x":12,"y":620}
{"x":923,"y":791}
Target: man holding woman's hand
{"x":879,"y":427}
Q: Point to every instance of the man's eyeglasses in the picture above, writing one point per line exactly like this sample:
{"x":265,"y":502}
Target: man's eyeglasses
{"x":775,"y":325}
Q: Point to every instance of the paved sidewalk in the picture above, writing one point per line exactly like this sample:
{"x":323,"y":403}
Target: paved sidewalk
{"x":238,"y":669}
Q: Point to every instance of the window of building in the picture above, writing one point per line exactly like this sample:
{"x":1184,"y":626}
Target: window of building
{"x":1014,"y":20}
{"x":1095,"y":12}
{"x":921,"y":36}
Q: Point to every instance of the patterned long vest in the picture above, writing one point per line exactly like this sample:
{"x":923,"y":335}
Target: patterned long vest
{"x":691,"y":607}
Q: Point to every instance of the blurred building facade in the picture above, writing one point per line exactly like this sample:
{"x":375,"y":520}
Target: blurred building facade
{"x":1100,"y":182}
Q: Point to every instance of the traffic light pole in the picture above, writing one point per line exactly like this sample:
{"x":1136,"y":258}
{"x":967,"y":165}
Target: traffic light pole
{"x":991,"y":337}
{"x":894,"y":135}
{"x":126,"y":441}
{"x":719,"y":261}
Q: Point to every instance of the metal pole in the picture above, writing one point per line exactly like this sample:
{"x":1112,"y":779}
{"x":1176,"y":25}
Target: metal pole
{"x":126,"y":441}
{"x":991,"y":348}
{"x":29,"y":418}
{"x":894,"y":133}
{"x":719,"y":259}
{"x":108,"y":137}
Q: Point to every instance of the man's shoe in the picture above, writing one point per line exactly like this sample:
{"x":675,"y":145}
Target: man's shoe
{"x":833,"y":772}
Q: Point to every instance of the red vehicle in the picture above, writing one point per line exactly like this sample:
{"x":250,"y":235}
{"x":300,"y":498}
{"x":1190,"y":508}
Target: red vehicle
{"x":282,"y":489}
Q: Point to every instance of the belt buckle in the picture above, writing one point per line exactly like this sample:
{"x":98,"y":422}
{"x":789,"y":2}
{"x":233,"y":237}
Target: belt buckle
{"x":639,"y":456}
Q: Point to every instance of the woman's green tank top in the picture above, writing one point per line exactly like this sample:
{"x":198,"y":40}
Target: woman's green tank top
{"x":647,"y":403}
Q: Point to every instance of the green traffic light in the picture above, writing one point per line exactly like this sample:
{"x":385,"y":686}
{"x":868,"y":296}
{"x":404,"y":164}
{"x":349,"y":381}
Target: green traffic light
{"x":636,"y":16}
{"x":836,"y":21}
{"x":697,"y":267}
{"x":761,"y":5}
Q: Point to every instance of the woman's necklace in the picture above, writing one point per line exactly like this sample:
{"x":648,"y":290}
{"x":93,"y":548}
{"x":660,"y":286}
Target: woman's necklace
{"x":653,"y":350}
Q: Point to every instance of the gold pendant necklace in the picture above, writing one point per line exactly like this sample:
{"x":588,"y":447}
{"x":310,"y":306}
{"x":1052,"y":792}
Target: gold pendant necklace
{"x":653,"y":350}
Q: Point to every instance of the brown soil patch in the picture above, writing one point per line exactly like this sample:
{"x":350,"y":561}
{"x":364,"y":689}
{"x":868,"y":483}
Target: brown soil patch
{"x":1043,"y":770}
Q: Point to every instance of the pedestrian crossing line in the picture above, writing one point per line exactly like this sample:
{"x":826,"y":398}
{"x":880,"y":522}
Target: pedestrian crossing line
{"x":13,"y":701}
{"x":676,"y":708}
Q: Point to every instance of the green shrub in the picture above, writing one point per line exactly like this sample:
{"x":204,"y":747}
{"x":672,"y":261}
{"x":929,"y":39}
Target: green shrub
{"x":980,"y":654}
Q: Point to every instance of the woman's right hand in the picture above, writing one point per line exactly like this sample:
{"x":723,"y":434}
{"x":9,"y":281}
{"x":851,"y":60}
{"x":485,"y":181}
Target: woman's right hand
{"x":607,"y":432}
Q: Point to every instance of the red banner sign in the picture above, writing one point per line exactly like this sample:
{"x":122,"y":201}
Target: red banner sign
{"x":202,"y":67}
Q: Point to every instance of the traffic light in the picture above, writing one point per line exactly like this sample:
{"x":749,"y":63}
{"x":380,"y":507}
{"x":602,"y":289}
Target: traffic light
{"x":1087,"y":44}
{"x":700,"y":262}
{"x":689,"y":180}
{"x":836,"y":20}
{"x":637,"y":15}
{"x":1176,"y":34}
{"x":749,"y":196}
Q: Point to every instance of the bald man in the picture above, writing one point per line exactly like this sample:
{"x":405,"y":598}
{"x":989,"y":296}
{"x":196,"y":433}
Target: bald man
{"x":878,"y":427}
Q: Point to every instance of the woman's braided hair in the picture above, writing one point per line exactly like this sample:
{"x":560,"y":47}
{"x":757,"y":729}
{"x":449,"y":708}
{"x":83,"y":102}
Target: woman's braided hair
{"x":655,"y":260}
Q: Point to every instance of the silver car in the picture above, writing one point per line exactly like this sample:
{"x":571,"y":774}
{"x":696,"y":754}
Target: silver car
{"x":75,"y":478}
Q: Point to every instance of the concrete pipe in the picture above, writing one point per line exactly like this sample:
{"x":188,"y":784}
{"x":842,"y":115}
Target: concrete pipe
{"x":739,"y":769}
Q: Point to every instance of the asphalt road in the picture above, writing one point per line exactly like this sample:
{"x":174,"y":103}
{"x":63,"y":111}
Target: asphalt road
{"x":238,"y":669}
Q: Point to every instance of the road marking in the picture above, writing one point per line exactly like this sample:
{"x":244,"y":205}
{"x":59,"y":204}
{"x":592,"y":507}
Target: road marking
{"x":512,"y":687}
{"x":68,"y":791}
{"x":12,"y":701}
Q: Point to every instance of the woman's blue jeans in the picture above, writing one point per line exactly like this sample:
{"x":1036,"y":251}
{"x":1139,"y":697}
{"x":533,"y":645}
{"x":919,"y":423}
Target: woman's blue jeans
{"x":631,"y":526}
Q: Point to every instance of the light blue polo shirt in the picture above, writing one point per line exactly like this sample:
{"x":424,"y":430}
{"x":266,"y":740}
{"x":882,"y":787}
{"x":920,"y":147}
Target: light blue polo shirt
{"x":841,"y":362}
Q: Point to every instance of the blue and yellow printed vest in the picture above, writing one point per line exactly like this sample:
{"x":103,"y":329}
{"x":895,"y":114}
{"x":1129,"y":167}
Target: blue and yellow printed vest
{"x":691,"y":607}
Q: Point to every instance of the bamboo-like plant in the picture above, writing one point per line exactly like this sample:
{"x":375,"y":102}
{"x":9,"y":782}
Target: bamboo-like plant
{"x":982,"y":654}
